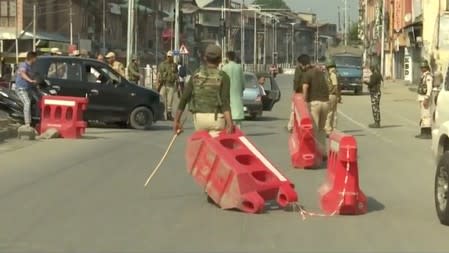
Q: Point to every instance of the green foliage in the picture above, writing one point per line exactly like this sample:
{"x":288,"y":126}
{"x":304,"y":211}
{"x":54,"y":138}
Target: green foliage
{"x":272,"y":4}
{"x":353,"y":33}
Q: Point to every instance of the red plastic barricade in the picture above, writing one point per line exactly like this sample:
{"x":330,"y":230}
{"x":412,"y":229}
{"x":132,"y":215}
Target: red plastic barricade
{"x":64,"y":114}
{"x":234,"y":173}
{"x":340,"y":194}
{"x":304,"y":151}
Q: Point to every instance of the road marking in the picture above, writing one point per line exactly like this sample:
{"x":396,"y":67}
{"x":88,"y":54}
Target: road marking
{"x":367,"y":128}
{"x":262,"y":158}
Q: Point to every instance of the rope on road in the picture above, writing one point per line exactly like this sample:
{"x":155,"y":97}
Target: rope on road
{"x":165,"y":155}
{"x":304,"y":213}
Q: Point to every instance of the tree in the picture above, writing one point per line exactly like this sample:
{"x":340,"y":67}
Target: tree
{"x":353,"y":34}
{"x":271,"y":4}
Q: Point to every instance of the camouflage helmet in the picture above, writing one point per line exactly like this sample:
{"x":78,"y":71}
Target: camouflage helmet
{"x":424,"y":64}
{"x":330,"y":63}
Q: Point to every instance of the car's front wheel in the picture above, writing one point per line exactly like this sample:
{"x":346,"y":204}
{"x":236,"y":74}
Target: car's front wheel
{"x":141,"y":118}
{"x":441,"y":189}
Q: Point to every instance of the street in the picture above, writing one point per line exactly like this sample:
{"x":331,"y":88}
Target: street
{"x":87,"y":195}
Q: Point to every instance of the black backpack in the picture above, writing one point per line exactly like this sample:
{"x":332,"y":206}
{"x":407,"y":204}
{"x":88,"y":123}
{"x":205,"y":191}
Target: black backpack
{"x":182,"y":71}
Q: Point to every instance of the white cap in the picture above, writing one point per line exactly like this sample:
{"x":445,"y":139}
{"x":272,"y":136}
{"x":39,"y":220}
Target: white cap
{"x":76,"y":52}
{"x":110,"y":55}
{"x":170,"y":53}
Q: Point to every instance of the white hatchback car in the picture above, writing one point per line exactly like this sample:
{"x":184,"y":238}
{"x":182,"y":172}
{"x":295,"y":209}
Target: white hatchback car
{"x":440,"y":149}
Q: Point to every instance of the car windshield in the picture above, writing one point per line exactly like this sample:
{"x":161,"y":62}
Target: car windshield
{"x":250,"y":80}
{"x":352,"y":61}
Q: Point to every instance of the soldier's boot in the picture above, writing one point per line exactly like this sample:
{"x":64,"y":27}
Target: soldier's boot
{"x":374,"y":125}
{"x":169,"y":116}
{"x":426,"y":133}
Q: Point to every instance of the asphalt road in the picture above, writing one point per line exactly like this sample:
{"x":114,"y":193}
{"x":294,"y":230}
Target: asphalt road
{"x":87,"y":195}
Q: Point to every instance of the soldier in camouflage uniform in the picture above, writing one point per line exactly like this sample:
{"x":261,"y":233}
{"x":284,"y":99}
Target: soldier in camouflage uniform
{"x":334,"y":96}
{"x":207,"y":94}
{"x":167,"y":76}
{"x":425,"y":101}
{"x":374,"y":83}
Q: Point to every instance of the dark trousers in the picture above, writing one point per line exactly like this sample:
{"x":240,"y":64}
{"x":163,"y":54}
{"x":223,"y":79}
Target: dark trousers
{"x":375,"y":105}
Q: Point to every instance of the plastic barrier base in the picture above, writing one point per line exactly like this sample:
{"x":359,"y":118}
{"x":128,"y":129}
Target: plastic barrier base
{"x":235,"y":174}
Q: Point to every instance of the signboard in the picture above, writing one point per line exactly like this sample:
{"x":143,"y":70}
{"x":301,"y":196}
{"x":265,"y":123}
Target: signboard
{"x":398,"y":11}
{"x":175,"y":52}
{"x":183,"y":50}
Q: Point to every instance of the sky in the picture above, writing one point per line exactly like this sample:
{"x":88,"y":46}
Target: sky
{"x":326,"y":9}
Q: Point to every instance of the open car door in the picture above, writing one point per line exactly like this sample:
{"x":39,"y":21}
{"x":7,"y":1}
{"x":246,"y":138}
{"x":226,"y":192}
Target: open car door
{"x":273,"y":94}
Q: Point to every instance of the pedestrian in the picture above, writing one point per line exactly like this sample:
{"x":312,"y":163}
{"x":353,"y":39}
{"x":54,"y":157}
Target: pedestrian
{"x":182,"y":74}
{"x":116,"y":65}
{"x":235,"y":73}
{"x":75,"y":53}
{"x":23,"y":84}
{"x":207,"y":94}
{"x":297,"y":88}
{"x":167,"y":76}
{"x":425,"y":101}
{"x":100,"y":57}
{"x":316,"y":94}
{"x":133,"y":70}
{"x":374,"y":84}
{"x":334,"y":96}
{"x":273,"y":70}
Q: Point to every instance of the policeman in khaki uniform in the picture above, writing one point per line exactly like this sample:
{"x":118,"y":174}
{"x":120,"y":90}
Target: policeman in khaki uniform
{"x":116,"y":65}
{"x":167,"y":77}
{"x":334,"y":96}
{"x":207,"y":94}
{"x":425,"y":101}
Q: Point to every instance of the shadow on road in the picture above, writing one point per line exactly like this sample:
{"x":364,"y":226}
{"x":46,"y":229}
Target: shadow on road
{"x":91,"y":137}
{"x":374,"y":205}
{"x":391,"y":126}
{"x":261,"y":134}
{"x":352,"y":131}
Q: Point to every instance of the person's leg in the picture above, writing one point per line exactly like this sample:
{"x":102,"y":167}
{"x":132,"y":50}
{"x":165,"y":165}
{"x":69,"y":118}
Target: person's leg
{"x":323,"y":113}
{"x":291,"y":120}
{"x":164,"y":93}
{"x":24,"y":97}
{"x":318,"y":126}
{"x":238,"y":123}
{"x":377,"y":108}
{"x":170,"y":95}
{"x":329,"y":127}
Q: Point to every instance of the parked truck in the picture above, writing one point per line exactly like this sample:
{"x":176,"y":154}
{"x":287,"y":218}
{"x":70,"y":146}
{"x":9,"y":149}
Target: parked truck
{"x":349,"y":61}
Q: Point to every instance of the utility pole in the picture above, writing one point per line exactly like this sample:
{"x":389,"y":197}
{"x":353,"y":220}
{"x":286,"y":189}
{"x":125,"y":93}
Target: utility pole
{"x":129,"y":43}
{"x":242,"y":36}
{"x":17,"y":34}
{"x":176,"y":26}
{"x":255,"y":40}
{"x":34,"y":24}
{"x":317,"y":42}
{"x":104,"y":25}
{"x":382,"y":43}
{"x":71,"y":22}
{"x":346,"y":22}
{"x":265,"y":41}
{"x":293,"y":43}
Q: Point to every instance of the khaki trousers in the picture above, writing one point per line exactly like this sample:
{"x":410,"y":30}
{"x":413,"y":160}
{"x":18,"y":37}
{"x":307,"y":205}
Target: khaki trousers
{"x":331,"y":121}
{"x":208,"y":122}
{"x":290,"y":123}
{"x":319,"y":111}
{"x":426,"y":119}
{"x":167,"y":93}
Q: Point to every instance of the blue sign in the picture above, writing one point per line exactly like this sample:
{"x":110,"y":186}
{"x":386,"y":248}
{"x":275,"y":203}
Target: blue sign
{"x":176,"y":52}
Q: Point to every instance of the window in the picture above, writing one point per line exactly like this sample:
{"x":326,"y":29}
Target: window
{"x":250,"y":81}
{"x":7,"y":13}
{"x":267,"y":84}
{"x":64,"y":71}
{"x":95,"y":74}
